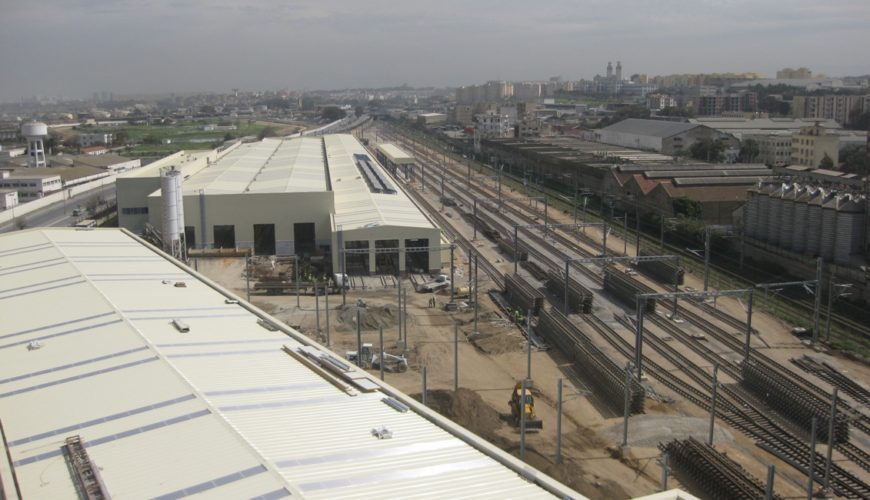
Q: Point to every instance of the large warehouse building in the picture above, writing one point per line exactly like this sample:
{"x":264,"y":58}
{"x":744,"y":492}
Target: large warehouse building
{"x":143,"y":379}
{"x":301,"y":196}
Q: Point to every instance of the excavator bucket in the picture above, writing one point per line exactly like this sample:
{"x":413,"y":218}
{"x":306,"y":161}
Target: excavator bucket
{"x":534,"y":424}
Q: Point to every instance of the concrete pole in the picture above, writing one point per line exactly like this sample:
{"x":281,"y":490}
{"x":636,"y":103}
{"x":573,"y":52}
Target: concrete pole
{"x":516,"y":245}
{"x":529,"y":344}
{"x":455,"y":356}
{"x":559,"y":421}
{"x":830,"y":449}
{"x":422,"y":177}
{"x":626,"y":403}
{"x":830,"y":312}
{"x":296,"y":271}
{"x":405,"y":315}
{"x":476,"y":284}
{"x":662,"y":232}
{"x":399,"y":304}
{"x":604,"y":239}
{"x":638,"y":341}
{"x":565,"y":301}
{"x":381,"y":356}
{"x":317,"y":306}
{"x":636,"y":232}
{"x":358,"y":339}
{"x":546,"y":214}
{"x":248,"y":277}
{"x":523,"y":421}
{"x":713,"y":403}
{"x":575,"y":204}
{"x":423,"y":394}
{"x":452,"y":272}
{"x":812,"y":462}
{"x":742,"y":248}
{"x":676,"y":287}
{"x":706,"y":258}
{"x":818,"y":302}
{"x":326,"y":298}
{"x":665,"y":470}
{"x":768,"y":491}
{"x":625,"y":233}
{"x":748,"y":326}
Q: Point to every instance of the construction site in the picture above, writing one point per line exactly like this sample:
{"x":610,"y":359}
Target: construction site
{"x":611,"y":368}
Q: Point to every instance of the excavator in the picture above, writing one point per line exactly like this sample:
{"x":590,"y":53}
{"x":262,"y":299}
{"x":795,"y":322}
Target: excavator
{"x":532,"y":421}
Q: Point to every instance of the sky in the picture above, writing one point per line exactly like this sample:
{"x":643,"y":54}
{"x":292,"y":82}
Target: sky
{"x":73,"y":48}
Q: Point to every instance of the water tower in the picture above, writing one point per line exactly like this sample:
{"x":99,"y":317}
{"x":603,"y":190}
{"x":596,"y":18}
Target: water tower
{"x":34,"y":132}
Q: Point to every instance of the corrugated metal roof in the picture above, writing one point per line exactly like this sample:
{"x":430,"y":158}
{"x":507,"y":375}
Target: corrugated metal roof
{"x":395,"y":154}
{"x":355,"y":206}
{"x":220,"y":409}
{"x":269,"y":166}
{"x":654,"y":128}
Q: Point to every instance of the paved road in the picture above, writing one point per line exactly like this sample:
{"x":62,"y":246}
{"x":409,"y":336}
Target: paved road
{"x":60,"y":213}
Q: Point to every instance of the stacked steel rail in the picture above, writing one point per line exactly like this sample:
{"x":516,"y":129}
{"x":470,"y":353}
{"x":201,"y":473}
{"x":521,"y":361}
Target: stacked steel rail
{"x":828,"y":373}
{"x":522,"y":295}
{"x":792,"y":401}
{"x":665,"y":271}
{"x":626,"y":288}
{"x":711,"y":474}
{"x":579,"y":297}
{"x":594,"y":365}
{"x":535,"y":270}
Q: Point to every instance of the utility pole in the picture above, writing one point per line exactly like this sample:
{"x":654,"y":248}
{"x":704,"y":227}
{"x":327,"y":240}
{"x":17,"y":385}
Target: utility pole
{"x":626,"y":404}
{"x":455,"y":356}
{"x":818,"y":301}
{"x":559,"y":422}
{"x":706,"y":257}
{"x":713,"y":403}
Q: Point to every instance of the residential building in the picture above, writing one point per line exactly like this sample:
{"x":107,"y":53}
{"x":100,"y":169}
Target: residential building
{"x":493,"y":125}
{"x":717,"y":104}
{"x":774,"y":148}
{"x":840,"y":108}
{"x":658,"y":102}
{"x":431,"y":119}
{"x":95,"y":139}
{"x":30,"y":183}
{"x":463,"y":114}
{"x":811,"y":145}
{"x":789,"y":73}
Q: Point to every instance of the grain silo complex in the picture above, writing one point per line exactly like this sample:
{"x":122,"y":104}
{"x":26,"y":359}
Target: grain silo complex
{"x":809,"y":218}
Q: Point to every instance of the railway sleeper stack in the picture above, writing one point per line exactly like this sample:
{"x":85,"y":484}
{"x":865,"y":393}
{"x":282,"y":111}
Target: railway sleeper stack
{"x":507,"y":246}
{"x":794,"y":402}
{"x":594,"y":365}
{"x":663,"y":271}
{"x":579,"y":297}
{"x":535,"y":270}
{"x":522,"y":295}
{"x":709,"y":473}
{"x":626,"y":288}
{"x":486,"y":226}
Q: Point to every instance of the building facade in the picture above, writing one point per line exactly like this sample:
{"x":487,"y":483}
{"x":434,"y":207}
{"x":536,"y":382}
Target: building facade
{"x":30,"y":183}
{"x":830,"y":107}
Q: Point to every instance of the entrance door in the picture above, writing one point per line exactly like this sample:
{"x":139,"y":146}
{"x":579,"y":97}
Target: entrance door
{"x":225,"y":236}
{"x":303,"y":238}
{"x":264,"y":239}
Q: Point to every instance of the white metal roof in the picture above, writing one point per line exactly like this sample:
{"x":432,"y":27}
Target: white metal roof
{"x":269,"y":166}
{"x":395,"y":154}
{"x":219,"y":410}
{"x":355,"y":205}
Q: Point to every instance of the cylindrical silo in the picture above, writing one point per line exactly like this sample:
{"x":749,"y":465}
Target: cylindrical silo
{"x":763,"y":212}
{"x":799,"y":229}
{"x":775,"y":219}
{"x":829,"y":226}
{"x":179,"y":197}
{"x":787,"y":216}
{"x":850,"y":219}
{"x":169,"y":196}
{"x":814,"y":221}
{"x":750,"y":214}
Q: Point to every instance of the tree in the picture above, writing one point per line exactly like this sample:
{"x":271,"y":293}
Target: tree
{"x":675,"y":111}
{"x":827,"y":163}
{"x":266,"y":132}
{"x":855,"y":160}
{"x":686,"y":207}
{"x":359,"y":111}
{"x":748,"y":150}
{"x":708,"y":150}
{"x":121,"y":137}
{"x":860,"y":121}
{"x":151,"y":139}
{"x":332,"y":113}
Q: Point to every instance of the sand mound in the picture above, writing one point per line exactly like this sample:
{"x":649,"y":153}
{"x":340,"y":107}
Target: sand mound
{"x":466,"y":408}
{"x":372,"y":317}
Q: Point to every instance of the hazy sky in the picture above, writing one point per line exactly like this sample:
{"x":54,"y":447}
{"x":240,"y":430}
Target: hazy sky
{"x":76,"y":47}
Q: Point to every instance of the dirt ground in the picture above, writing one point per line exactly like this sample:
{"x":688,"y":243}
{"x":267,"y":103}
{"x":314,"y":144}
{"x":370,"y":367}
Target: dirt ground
{"x":492,"y":359}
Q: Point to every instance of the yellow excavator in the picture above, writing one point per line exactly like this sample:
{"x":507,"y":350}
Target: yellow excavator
{"x":528,"y":406}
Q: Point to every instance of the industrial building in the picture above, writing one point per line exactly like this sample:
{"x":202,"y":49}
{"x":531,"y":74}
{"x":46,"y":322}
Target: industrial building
{"x":144,"y":379}
{"x":666,"y":137}
{"x":295,"y":196}
{"x":395,"y":159}
{"x":813,"y":219}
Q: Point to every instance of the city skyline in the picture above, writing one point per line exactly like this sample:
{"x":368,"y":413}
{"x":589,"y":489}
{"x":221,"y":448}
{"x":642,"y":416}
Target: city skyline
{"x":76,"y":48}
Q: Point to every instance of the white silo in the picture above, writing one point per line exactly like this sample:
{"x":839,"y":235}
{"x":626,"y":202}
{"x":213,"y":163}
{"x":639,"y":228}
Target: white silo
{"x":169,"y":194}
{"x":799,"y":230}
{"x":35,"y":132}
{"x":850,"y":224}
{"x":787,"y":216}
{"x":775,"y":218}
{"x":829,"y":225}
{"x":814,"y":221}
